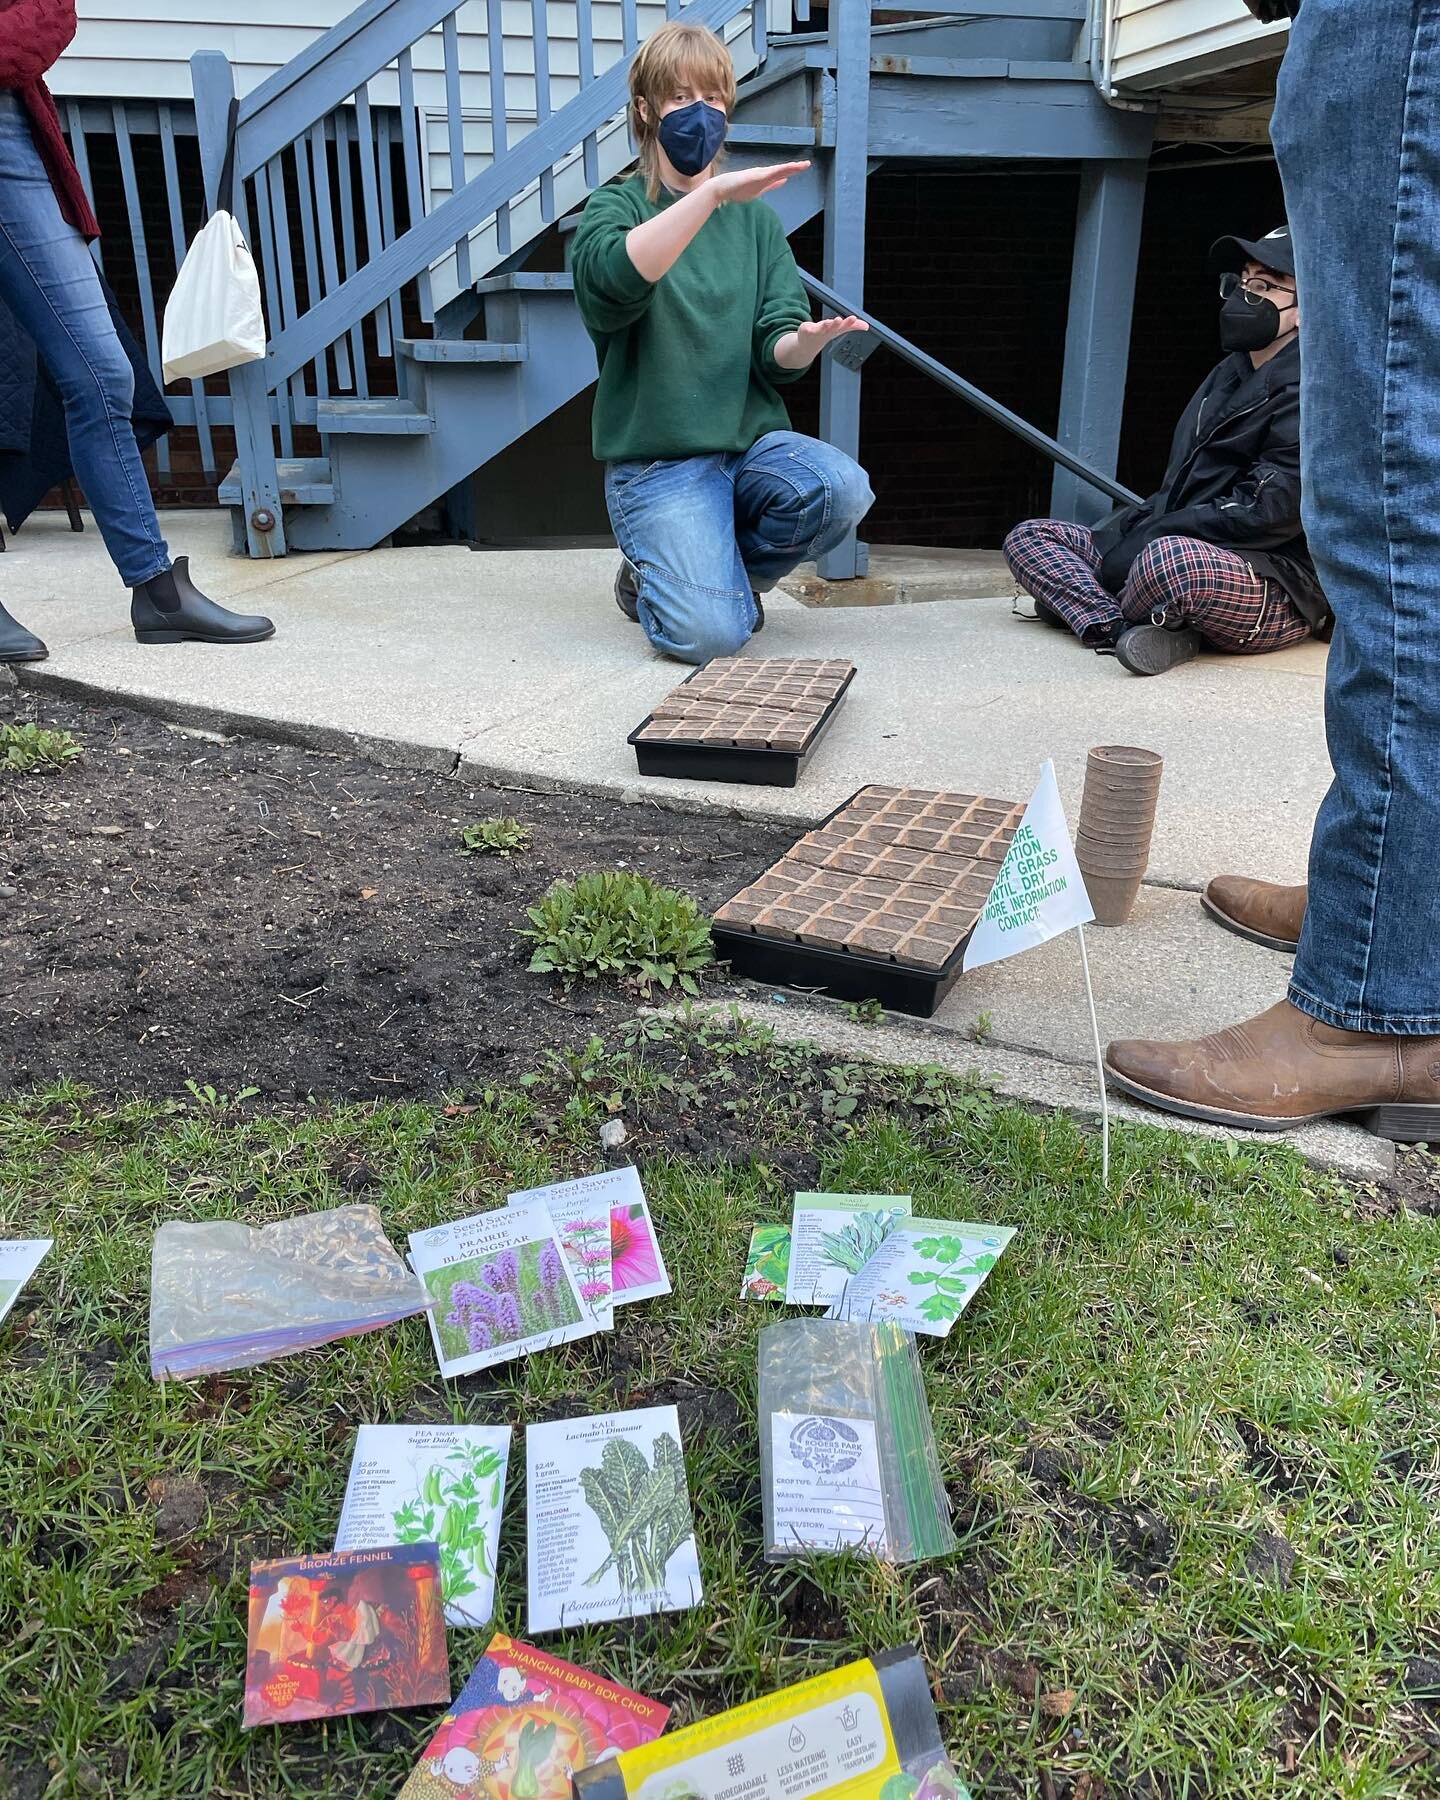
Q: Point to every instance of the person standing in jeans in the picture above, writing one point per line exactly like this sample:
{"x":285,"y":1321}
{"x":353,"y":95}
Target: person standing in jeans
{"x":691,"y":295}
{"x":1357,"y":136}
{"x":49,"y":281}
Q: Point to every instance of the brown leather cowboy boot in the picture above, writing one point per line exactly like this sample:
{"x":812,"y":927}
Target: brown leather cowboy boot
{"x":1284,"y":1069}
{"x":1262,"y":911}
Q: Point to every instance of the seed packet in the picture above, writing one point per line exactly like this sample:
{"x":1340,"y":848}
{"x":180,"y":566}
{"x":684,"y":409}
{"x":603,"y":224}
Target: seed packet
{"x":19,"y":1259}
{"x":832,"y":1237}
{"x":432,"y":1484}
{"x":924,"y":1274}
{"x":356,"y":1631}
{"x":611,"y":1534}
{"x":523,"y":1723}
{"x":501,"y":1287}
{"x":767,"y":1266}
{"x":637,"y":1269}
{"x":847,"y":1449}
{"x":867,"y":1731}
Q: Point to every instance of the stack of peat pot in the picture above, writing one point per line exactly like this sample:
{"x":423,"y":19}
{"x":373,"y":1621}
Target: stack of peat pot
{"x":1117,"y":820}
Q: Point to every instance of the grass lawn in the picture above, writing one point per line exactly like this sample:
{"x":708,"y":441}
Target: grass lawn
{"x":1189,"y":1430}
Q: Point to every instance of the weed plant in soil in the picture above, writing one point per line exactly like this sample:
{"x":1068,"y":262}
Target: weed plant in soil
{"x":1187,"y":1429}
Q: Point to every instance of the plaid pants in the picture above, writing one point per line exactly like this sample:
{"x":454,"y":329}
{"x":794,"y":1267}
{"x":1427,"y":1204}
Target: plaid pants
{"x":1213,"y":591}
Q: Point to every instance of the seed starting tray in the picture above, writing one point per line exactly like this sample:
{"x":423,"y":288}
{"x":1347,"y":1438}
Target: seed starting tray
{"x":743,"y":718}
{"x":878,"y":902}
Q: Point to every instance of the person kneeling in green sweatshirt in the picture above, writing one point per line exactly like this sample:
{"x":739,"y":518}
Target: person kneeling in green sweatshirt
{"x":690,"y":292}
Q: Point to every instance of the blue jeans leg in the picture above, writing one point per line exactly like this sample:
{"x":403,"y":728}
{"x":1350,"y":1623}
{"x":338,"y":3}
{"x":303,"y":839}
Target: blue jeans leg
{"x":795,"y":498}
{"x":675,"y":524}
{"x":48,"y":280}
{"x":1357,"y":133}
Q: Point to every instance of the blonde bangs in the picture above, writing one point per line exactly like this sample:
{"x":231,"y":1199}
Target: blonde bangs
{"x":679,"y":55}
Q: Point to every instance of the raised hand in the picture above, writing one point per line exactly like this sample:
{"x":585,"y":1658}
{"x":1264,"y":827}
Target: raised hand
{"x":799,"y":348}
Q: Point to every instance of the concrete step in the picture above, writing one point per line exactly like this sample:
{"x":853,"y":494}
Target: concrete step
{"x":374,"y":418}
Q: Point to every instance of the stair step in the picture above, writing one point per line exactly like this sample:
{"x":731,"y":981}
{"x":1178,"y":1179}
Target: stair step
{"x":376,"y":418}
{"x":304,"y":481}
{"x":461,"y":350}
{"x":526,"y":281}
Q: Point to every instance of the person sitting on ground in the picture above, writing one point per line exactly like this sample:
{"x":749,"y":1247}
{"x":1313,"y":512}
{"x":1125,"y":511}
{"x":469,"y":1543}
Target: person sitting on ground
{"x":1217,"y":556}
{"x":49,"y":281}
{"x":691,"y":294}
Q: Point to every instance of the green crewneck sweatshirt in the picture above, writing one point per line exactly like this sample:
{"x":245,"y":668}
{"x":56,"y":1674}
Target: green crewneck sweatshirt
{"x":687,"y":363}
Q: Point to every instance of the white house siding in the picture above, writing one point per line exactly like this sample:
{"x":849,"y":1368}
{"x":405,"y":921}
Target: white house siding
{"x":1165,"y":43}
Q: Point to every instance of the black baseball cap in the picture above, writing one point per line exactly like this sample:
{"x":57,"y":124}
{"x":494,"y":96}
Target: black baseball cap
{"x":1273,"y":251}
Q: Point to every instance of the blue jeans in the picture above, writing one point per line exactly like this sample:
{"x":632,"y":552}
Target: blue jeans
{"x":48,"y":280}
{"x":702,"y":532}
{"x":1357,"y":134}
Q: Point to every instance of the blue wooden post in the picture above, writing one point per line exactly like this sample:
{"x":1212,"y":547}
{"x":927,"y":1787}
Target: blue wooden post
{"x":845,"y":245}
{"x":1097,"y":337}
{"x":214,"y":84}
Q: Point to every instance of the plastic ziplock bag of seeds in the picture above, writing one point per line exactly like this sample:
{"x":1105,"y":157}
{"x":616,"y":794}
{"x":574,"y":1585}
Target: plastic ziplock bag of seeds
{"x":227,"y":1296}
{"x":847,"y":1449}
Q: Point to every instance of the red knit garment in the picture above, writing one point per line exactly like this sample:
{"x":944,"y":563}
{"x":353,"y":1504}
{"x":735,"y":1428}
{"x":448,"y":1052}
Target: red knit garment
{"x":32,"y":35}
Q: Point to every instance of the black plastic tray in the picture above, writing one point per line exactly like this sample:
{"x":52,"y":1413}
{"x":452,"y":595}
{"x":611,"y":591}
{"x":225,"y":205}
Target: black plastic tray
{"x":687,"y":759}
{"x":781,"y":963}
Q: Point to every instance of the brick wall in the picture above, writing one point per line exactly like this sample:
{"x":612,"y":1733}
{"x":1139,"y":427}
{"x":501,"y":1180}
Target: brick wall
{"x":970,"y":263}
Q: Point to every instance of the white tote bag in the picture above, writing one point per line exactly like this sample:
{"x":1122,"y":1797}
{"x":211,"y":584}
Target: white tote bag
{"x":214,"y":320}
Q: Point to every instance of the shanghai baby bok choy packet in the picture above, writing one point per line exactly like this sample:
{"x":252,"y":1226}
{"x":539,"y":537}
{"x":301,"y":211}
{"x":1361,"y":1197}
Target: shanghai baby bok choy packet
{"x":432,"y":1484}
{"x":611,"y":1534}
{"x":502,"y":1288}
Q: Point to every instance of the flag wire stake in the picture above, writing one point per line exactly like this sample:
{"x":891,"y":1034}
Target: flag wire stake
{"x":1099,"y":1064}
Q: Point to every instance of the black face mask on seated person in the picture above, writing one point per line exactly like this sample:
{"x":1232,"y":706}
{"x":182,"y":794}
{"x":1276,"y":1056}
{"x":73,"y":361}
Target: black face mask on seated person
{"x":1248,"y":324}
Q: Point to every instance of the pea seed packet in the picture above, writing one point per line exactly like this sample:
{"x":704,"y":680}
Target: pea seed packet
{"x":832,"y":1237}
{"x":432,"y":1484}
{"x":19,"y":1259}
{"x":611,"y":1534}
{"x":524,"y":1723}
{"x":502,"y":1288}
{"x":923,"y":1275}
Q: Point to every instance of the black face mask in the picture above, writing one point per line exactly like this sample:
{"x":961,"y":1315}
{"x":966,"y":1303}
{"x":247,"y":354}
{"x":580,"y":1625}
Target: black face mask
{"x":1247,"y":324}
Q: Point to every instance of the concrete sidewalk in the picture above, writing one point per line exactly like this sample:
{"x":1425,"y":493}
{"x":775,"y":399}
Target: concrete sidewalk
{"x":517,"y":667}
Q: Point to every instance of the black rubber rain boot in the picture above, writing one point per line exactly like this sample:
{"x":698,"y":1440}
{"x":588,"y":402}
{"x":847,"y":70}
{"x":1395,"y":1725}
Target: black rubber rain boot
{"x":17,"y":644}
{"x":170,"y":609}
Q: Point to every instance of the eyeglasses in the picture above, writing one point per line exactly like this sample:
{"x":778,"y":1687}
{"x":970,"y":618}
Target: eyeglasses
{"x":1256,"y":289}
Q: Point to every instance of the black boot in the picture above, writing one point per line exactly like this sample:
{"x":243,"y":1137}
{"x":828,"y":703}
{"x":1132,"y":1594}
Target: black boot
{"x":1152,"y":649}
{"x":170,"y":609}
{"x":17,"y":644}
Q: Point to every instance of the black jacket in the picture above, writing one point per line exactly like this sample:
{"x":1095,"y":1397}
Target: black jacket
{"x":34,"y":447}
{"x":1233,"y":481}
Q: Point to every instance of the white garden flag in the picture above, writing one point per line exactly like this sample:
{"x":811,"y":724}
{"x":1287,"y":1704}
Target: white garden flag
{"x":1039,"y":891}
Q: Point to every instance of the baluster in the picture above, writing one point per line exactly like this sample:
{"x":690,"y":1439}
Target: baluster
{"x":629,"y":32}
{"x":455,"y":120}
{"x":178,"y":243}
{"x":759,"y":29}
{"x":285,"y":266}
{"x":347,"y":243}
{"x":499,"y":109}
{"x":387,"y":233}
{"x":585,"y":51}
{"x":374,"y":241}
{"x":82,"y":162}
{"x":325,"y":219}
{"x":540,"y":37}
{"x":274,"y":301}
{"x":120,"y":113}
{"x":414,"y":172}
{"x":305,"y":200}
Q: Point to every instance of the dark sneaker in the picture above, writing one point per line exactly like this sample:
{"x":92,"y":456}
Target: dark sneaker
{"x":627,"y":592}
{"x":1152,"y":649}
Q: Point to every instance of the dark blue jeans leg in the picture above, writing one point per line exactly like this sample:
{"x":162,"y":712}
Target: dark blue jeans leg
{"x":1357,"y":132}
{"x":49,"y":282}
{"x":795,"y":498}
